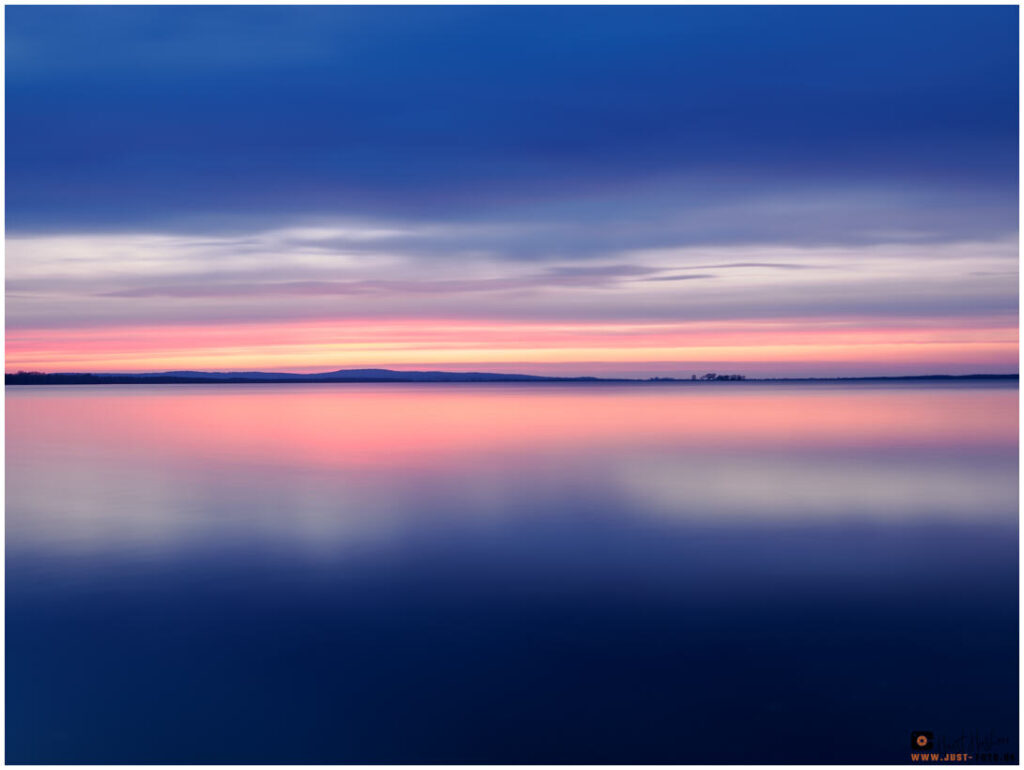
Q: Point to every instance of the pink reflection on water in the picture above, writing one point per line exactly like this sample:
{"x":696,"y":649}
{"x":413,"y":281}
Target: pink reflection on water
{"x":374,"y":425}
{"x":152,"y":469}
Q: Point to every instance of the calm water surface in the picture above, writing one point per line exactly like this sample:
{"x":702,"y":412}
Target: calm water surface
{"x":511,"y":574}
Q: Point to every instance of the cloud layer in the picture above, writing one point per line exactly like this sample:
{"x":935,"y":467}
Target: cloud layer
{"x":184,"y":168}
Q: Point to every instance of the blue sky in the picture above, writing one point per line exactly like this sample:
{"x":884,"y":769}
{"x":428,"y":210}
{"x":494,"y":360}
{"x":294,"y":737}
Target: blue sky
{"x":387,"y":147}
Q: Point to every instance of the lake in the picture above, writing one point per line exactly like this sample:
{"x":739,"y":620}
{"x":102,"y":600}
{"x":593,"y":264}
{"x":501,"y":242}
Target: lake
{"x":557,"y":573}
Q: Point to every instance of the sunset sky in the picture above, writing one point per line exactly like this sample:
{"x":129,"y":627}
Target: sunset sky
{"x":571,"y":190}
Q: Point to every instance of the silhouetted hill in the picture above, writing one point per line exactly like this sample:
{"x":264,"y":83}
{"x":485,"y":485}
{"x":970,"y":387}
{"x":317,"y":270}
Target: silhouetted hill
{"x":364,"y":375}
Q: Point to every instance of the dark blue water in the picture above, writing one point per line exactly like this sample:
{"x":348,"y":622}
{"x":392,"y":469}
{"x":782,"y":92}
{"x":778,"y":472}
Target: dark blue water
{"x":484,"y":574}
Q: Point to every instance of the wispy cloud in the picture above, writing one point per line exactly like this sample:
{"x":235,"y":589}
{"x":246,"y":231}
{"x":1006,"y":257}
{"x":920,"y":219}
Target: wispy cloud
{"x":561,"y":277}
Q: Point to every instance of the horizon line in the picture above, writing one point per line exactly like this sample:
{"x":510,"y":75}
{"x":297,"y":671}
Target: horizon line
{"x":706,"y":377}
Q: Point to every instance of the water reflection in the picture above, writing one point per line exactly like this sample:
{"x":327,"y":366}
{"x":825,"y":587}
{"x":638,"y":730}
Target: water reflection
{"x":453,"y":573}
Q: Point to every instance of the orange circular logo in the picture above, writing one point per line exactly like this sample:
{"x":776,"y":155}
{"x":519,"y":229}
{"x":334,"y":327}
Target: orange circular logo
{"x":922,"y":740}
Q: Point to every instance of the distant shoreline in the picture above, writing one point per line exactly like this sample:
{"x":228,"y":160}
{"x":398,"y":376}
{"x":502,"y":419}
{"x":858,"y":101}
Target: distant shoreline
{"x":225,"y":378}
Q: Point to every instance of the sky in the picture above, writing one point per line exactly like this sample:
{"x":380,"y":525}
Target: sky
{"x":619,"y":191}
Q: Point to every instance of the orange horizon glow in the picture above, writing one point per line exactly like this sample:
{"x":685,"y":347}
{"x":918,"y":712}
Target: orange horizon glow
{"x":323,"y":345}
